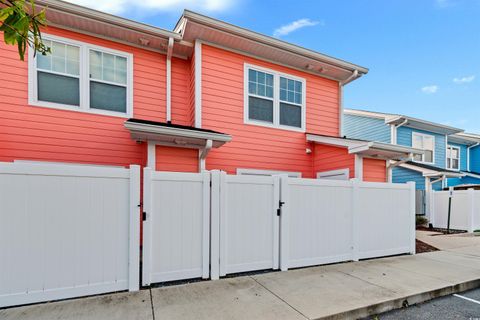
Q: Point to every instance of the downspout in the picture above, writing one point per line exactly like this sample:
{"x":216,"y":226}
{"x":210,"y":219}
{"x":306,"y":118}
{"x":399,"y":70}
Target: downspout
{"x":468,"y":154}
{"x":352,"y":77}
{"x":202,"y":155}
{"x":393,"y":140}
{"x":169,"y":80}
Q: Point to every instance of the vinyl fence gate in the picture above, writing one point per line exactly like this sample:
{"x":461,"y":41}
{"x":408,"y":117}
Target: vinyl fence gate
{"x":67,"y":231}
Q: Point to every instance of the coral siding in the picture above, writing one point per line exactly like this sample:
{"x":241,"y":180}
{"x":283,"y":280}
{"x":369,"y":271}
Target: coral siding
{"x":181,"y":92}
{"x":374,"y":170}
{"x":46,"y":134}
{"x":328,"y":158}
{"x":176,"y":159}
{"x":253,"y":146}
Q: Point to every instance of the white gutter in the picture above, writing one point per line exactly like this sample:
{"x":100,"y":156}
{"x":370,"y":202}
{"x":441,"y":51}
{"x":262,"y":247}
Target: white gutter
{"x":169,"y":79}
{"x":340,"y":94}
{"x":468,"y":154}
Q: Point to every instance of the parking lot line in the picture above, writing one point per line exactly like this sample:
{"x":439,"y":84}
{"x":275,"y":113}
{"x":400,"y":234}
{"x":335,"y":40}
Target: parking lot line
{"x":466,"y":298}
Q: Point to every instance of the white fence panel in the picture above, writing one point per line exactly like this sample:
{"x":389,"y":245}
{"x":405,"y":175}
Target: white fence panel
{"x":319,"y":221}
{"x":465,"y":209}
{"x":326,"y":221}
{"x":385,"y":219}
{"x":67,"y":231}
{"x":249,"y":228}
{"x":176,"y":229}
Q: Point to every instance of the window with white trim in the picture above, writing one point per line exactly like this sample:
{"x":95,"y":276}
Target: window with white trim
{"x":453,"y":158}
{"x":424,"y":142}
{"x":274,"y":99}
{"x":82,"y":77}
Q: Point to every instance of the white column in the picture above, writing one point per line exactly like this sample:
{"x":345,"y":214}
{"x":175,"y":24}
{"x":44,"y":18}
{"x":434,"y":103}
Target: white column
{"x":134,"y":227}
{"x":428,"y":195}
{"x":471,"y":207}
{"x":198,"y":84}
{"x":284,"y":220}
{"x":355,"y":218}
{"x":359,"y":167}
{"x":411,"y":185}
{"x":151,"y":161}
{"x":215,"y":225}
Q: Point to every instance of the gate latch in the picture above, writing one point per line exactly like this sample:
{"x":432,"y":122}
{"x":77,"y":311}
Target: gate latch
{"x":279,"y":210}
{"x":144,"y":216}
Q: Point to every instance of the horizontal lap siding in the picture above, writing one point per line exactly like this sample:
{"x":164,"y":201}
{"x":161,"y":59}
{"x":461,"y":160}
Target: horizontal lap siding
{"x":403,"y":175}
{"x":327,"y":158}
{"x":46,"y":134}
{"x":252,"y":146}
{"x":176,"y":159}
{"x":374,"y":170}
{"x":181,"y":113}
{"x":366,"y":128}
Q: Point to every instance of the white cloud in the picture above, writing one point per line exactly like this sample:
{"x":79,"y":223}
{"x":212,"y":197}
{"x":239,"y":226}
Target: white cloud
{"x":464,"y":79}
{"x":121,"y":6}
{"x":430,"y":89}
{"x":293,"y":26}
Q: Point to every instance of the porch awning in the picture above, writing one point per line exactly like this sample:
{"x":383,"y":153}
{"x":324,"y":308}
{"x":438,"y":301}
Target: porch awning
{"x":174,"y":135}
{"x":370,"y":149}
{"x":431,"y":171}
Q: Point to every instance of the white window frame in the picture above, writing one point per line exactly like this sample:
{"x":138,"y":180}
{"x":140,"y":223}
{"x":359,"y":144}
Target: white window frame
{"x":276,"y":99}
{"x":84,"y":77}
{"x":418,"y":134}
{"x":340,"y":174}
{"x":446,"y":164}
{"x":258,"y":172}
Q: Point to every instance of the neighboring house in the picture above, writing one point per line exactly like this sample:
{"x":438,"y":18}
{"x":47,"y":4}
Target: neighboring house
{"x":463,"y":154}
{"x":446,"y":149}
{"x":207,"y":95}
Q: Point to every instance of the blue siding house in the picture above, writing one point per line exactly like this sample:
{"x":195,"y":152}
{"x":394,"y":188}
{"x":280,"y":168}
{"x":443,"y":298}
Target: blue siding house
{"x":450,"y":157}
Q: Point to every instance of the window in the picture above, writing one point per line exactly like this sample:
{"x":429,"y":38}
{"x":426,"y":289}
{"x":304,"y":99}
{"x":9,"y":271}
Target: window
{"x":453,"y":158}
{"x":274,"y":99}
{"x":425,"y":142}
{"x":82,"y":77}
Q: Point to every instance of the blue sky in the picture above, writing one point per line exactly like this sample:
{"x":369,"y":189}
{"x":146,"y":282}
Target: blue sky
{"x":423,"y":55}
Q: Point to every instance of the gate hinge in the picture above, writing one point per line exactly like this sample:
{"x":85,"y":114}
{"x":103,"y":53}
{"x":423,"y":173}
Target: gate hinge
{"x":144,"y":216}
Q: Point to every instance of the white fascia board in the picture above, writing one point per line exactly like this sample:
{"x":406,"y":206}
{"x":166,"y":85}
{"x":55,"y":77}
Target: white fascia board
{"x":431,"y":173}
{"x":396,"y":148}
{"x":423,"y":124}
{"x":365,"y":113}
{"x":270,"y":41}
{"x":179,"y":132}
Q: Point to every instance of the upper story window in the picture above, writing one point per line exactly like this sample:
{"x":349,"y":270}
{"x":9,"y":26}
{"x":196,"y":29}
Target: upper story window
{"x":82,"y":77}
{"x":453,"y":158}
{"x":274,"y":99}
{"x":425,"y":142}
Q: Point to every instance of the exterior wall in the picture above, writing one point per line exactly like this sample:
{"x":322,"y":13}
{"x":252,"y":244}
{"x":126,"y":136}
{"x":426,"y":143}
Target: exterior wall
{"x":181,"y":93}
{"x":475,"y":159}
{"x":47,"y":134}
{"x":465,"y":180}
{"x":176,"y":159}
{"x":374,"y":170}
{"x":403,"y":175}
{"x":366,"y":128}
{"x":326,"y":158}
{"x":191,"y":90}
{"x":253,"y":146}
{"x":404,"y":137}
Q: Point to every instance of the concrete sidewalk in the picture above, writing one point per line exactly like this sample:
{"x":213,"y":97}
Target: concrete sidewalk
{"x":348,"y":290}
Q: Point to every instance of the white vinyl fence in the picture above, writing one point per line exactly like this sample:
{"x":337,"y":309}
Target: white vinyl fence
{"x":325,"y":221}
{"x":465,"y":209}
{"x":67,"y":231}
{"x":177,"y":227}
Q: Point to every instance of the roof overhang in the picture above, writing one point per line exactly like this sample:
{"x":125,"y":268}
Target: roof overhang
{"x":464,"y":138}
{"x":175,"y":136}
{"x":103,"y":25}
{"x":421,"y":124}
{"x":195,"y":26}
{"x":369,"y":149}
{"x":432,"y":173}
